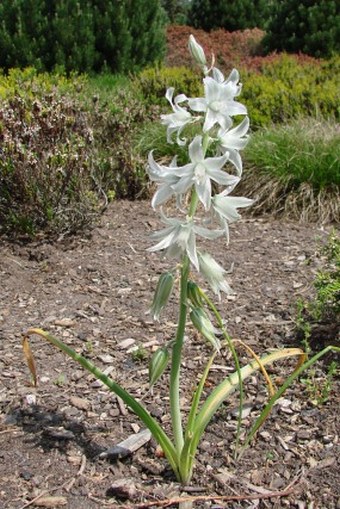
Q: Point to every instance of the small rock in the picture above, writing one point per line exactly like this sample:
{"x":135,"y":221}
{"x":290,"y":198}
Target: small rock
{"x":65,"y":322}
{"x":25,"y":474}
{"x":303,"y":434}
{"x":106,"y":359}
{"x":60,"y":433}
{"x":31,"y":399}
{"x":124,"y":489}
{"x":114,"y":412}
{"x":80,"y":403}
{"x":74,"y":460}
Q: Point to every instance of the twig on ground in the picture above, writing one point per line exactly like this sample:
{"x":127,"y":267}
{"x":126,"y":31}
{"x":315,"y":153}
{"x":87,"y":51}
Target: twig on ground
{"x":225,"y":498}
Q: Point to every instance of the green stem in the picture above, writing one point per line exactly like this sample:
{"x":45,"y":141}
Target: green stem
{"x":237,"y":364}
{"x":175,"y":407}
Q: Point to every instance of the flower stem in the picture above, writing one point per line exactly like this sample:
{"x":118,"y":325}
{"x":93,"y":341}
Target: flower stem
{"x":237,"y":364}
{"x":175,"y":407}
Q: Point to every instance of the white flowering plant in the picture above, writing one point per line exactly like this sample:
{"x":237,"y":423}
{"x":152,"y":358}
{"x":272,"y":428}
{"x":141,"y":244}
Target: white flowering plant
{"x":201,"y":190}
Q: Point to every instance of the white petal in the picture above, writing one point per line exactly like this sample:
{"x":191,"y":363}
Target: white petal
{"x":236,"y":108}
{"x":161,"y":195}
{"x":199,"y":104}
{"x":212,"y":89}
{"x":206,"y":233}
{"x":191,"y":250}
{"x":163,"y":244}
{"x":223,"y":178}
{"x":196,"y":150}
{"x":235,"y":159}
{"x":210,"y":120}
{"x":203,"y":190}
{"x":215,"y":163}
{"x":183,"y":185}
{"x":169,"y":94}
{"x":217,"y":75}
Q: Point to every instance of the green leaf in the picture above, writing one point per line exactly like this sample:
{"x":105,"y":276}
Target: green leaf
{"x":156,"y":430}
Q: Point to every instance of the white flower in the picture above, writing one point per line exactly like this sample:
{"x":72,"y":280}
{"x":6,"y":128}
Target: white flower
{"x":200,"y":172}
{"x":179,"y":238}
{"x":219,"y":104}
{"x":233,"y":140}
{"x":214,"y":273}
{"x":176,"y":121}
{"x":165,"y":177}
{"x":225,"y":207}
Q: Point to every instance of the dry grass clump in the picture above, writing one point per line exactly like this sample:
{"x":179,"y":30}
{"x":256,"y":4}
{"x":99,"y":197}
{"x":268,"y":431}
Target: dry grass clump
{"x":293,"y":171}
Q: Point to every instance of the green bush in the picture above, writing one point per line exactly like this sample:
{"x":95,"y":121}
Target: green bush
{"x":231,"y":15}
{"x":287,"y":88}
{"x":63,"y":153}
{"x":294,"y":170}
{"x":318,"y":319}
{"x":82,"y":36}
{"x":308,"y":26}
{"x":152,"y":83}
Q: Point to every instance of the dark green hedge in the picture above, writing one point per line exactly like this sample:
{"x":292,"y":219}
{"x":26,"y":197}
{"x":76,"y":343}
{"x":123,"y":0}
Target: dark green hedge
{"x":91,"y":35}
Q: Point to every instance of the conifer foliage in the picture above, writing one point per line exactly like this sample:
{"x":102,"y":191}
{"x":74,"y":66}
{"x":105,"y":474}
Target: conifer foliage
{"x":228,"y":14}
{"x":86,"y":35}
{"x":307,"y":26}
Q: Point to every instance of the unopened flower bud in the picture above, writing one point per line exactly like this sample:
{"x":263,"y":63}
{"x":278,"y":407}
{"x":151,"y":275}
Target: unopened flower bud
{"x":197,"y":52}
{"x":162,"y":294}
{"x":202,"y":323}
{"x":194,"y":294}
{"x":158,"y":363}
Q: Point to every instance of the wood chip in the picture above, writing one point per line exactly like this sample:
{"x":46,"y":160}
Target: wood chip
{"x":128,"y":446}
{"x":106,"y":359}
{"x":65,"y":322}
{"x":126,"y":343}
{"x":122,"y":407}
{"x":49,"y":501}
{"x":80,"y":403}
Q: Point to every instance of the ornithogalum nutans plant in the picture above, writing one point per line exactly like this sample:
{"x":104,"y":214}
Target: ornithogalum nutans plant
{"x":213,"y":128}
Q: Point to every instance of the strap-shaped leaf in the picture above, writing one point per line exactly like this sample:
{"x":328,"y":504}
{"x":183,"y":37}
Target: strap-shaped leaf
{"x":156,"y":430}
{"x":226,"y":387}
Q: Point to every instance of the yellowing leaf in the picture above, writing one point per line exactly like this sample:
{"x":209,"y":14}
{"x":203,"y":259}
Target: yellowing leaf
{"x":30,"y":359}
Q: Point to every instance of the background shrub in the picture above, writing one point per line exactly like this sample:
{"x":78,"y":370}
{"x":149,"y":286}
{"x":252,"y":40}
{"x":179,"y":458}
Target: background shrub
{"x":231,"y":15}
{"x":293,"y":170}
{"x":177,"y":11}
{"x":318,"y":320}
{"x":229,"y":48}
{"x":286,"y":86}
{"x":82,"y":36}
{"x":152,"y":83}
{"x":64,"y":154}
{"x":277,"y":89}
{"x":307,"y":26}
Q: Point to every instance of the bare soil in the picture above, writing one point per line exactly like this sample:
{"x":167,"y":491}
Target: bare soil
{"x":93,"y":291}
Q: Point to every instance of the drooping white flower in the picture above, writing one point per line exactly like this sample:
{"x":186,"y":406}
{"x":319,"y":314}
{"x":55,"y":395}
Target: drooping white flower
{"x":225,"y":208}
{"x":233,"y":140}
{"x":177,"y":120}
{"x":214,"y":273}
{"x":200,"y":172}
{"x":179,"y":237}
{"x":164,"y":177}
{"x":219,"y":104}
